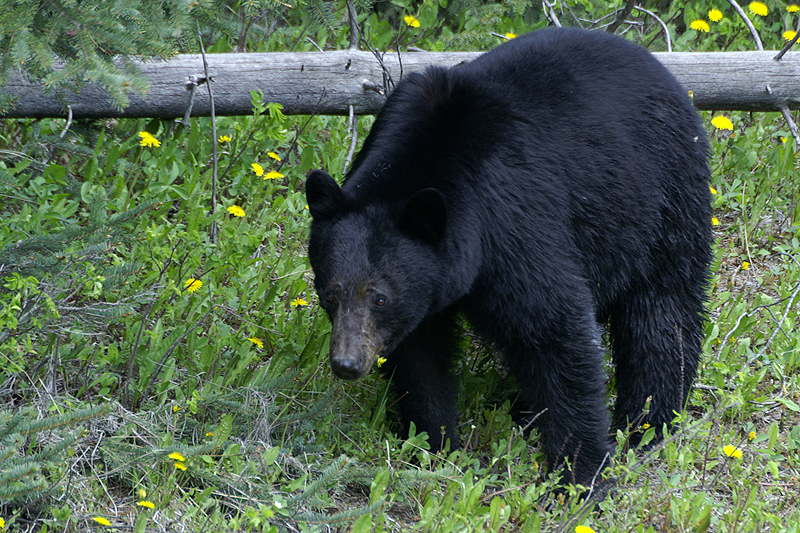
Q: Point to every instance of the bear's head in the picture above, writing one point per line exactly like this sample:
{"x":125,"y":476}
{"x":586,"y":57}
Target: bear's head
{"x":377,"y":269}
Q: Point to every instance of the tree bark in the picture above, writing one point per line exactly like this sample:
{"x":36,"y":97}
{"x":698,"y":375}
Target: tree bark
{"x":328,"y":82}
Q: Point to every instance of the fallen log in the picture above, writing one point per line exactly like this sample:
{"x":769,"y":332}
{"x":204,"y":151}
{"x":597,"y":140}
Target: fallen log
{"x":329,"y":82}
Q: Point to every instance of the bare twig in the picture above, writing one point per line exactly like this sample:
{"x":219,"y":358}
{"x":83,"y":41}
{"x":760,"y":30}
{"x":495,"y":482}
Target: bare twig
{"x":749,"y":314}
{"x":127,"y":400}
{"x":748,"y":23}
{"x":353,"y":128}
{"x":354,"y":33}
{"x":787,"y":116}
{"x":68,"y":124}
{"x":213,"y":140}
{"x":620,"y":18}
{"x":783,"y":318}
{"x":550,"y":11}
{"x":309,"y":39}
{"x":168,"y":352}
{"x":788,"y":45}
{"x":191,"y":86}
{"x":663,"y":24}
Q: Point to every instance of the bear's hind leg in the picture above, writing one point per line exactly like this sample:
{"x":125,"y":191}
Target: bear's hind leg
{"x":656,"y":339}
{"x":421,"y":372}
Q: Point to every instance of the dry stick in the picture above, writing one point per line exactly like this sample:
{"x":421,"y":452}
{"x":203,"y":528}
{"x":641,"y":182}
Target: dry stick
{"x":783,"y":318}
{"x":353,"y":123}
{"x":787,"y":116}
{"x":788,"y":45}
{"x":779,"y":327}
{"x":69,"y":122}
{"x":126,"y":397}
{"x":354,"y":33}
{"x":749,"y":24}
{"x":191,"y":86}
{"x":160,"y":364}
{"x":663,"y":24}
{"x":213,"y":138}
{"x":620,"y":18}
{"x":551,"y":12}
{"x":353,"y":132}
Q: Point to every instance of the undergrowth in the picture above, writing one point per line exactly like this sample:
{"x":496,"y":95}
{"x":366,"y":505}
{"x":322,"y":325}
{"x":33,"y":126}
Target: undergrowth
{"x":163,"y":358}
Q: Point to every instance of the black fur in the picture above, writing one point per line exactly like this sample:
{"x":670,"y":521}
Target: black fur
{"x":555,"y":185}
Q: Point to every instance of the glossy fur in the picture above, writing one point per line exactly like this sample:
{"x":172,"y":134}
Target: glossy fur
{"x":555,"y":186}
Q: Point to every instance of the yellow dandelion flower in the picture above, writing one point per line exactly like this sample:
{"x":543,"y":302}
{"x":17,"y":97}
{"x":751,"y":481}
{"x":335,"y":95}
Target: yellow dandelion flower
{"x":236,"y":211}
{"x":722,"y":123}
{"x":3,"y":523}
{"x":380,"y":361}
{"x":751,"y":435}
{"x":792,"y":8}
{"x":732,"y":451}
{"x":758,"y":8}
{"x":298,"y":302}
{"x":745,"y":265}
{"x":148,"y":140}
{"x":714,"y":221}
{"x":411,"y":21}
{"x":273,"y":175}
{"x":584,"y":529}
{"x":176,"y":456}
{"x":714,"y":15}
{"x":789,"y":35}
{"x":258,"y":342}
{"x":274,"y":156}
{"x":712,"y":189}
{"x":225,"y":139}
{"x":176,"y":408}
{"x":180,"y":466}
{"x":257,"y":169}
{"x":193,"y":285}
{"x":700,"y":25}
{"x":510,"y":35}
{"x":99,"y":519}
{"x":148,"y":504}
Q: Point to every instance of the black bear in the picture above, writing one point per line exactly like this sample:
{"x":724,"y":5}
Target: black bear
{"x":555,"y":186}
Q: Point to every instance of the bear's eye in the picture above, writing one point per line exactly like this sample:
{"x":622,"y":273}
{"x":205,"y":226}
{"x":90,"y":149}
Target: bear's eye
{"x":380,"y":300}
{"x":330,"y":298}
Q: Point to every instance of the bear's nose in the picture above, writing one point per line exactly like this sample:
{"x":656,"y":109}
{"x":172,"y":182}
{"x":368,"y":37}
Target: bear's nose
{"x":346,"y":368}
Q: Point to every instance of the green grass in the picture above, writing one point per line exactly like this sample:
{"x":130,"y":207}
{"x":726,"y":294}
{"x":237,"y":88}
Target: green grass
{"x":105,"y":234}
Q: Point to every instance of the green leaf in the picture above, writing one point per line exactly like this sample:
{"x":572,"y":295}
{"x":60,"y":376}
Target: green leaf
{"x":378,"y":486}
{"x":363,"y":524}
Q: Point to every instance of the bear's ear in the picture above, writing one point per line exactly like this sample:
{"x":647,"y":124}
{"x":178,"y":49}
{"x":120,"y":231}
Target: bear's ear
{"x":425,"y":215}
{"x":324,"y":197}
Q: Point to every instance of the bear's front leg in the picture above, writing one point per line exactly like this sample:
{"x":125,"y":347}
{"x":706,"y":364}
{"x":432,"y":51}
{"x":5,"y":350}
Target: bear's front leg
{"x":420,"y":372}
{"x":562,"y":383}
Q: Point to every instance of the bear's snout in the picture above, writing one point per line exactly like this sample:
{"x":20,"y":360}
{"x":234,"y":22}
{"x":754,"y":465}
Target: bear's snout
{"x":354,"y":343}
{"x":349,"y":368}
